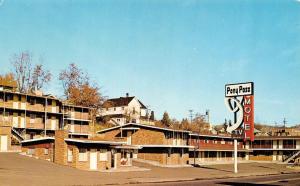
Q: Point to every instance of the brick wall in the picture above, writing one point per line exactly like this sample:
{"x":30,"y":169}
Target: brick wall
{"x":148,"y":137}
{"x":60,"y":152}
{"x":85,"y":165}
{"x":261,"y":158}
{"x":157,"y":157}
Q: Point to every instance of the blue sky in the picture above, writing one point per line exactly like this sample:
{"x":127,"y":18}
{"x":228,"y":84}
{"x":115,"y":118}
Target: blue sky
{"x":173,"y":55}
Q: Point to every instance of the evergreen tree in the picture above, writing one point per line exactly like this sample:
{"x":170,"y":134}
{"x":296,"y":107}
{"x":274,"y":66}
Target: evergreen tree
{"x":166,"y":121}
{"x":152,"y":116}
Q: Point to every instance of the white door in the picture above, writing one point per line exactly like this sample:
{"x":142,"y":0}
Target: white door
{"x":72,"y":129}
{"x":53,"y":124}
{"x":129,"y":140}
{"x":15,"y":105}
{"x":23,"y":106}
{"x":15,"y":121}
{"x":93,"y":160}
{"x":22,"y":122}
{"x":53,"y":109}
{"x":3,"y":141}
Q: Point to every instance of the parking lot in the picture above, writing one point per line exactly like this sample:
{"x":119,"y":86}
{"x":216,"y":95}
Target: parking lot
{"x":16,"y":169}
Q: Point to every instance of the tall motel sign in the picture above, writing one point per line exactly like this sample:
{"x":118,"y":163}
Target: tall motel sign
{"x":239,"y":99}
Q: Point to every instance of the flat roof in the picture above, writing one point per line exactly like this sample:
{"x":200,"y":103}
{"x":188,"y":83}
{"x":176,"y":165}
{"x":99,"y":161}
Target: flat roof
{"x":142,"y":125}
{"x":48,"y":96}
{"x":211,"y":136}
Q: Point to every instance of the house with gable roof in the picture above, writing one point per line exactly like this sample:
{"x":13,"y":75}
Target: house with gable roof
{"x":128,"y":109}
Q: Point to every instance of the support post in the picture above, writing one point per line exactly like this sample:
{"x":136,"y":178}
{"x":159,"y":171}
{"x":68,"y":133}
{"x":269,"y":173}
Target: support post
{"x":235,"y":156}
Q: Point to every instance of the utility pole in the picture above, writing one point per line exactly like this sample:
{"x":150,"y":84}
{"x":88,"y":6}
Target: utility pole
{"x":207,"y":115}
{"x":191,"y":115}
{"x":284,"y":122}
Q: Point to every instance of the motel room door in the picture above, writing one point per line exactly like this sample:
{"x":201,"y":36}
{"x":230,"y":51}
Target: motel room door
{"x":93,"y":160}
{"x":3,"y":143}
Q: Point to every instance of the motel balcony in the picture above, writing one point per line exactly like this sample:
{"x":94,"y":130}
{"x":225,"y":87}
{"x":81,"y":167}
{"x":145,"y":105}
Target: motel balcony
{"x":261,"y":146}
{"x":214,"y":144}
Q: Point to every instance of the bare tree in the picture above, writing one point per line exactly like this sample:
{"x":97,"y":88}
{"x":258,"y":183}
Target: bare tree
{"x":39,"y":77}
{"x":22,"y":70}
{"x":71,"y":78}
{"x":28,"y":79}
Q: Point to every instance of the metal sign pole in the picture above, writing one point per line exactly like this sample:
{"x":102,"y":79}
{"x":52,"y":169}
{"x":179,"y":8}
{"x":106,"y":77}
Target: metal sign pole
{"x":235,"y":156}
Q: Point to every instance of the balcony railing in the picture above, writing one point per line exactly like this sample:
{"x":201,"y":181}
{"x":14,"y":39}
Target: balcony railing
{"x":289,"y":146}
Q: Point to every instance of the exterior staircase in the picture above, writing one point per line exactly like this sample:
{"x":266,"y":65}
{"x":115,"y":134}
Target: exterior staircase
{"x":293,"y":157}
{"x":17,"y":135}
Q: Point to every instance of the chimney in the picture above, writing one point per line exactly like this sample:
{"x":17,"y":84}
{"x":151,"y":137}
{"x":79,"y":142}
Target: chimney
{"x":127,"y":94}
{"x":60,"y":148}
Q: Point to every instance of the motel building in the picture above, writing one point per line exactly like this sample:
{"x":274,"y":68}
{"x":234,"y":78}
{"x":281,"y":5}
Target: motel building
{"x":214,"y":148}
{"x":274,"y":148}
{"x":35,"y":115}
{"x":154,"y":145}
{"x":119,"y":146}
{"x":113,"y":148}
{"x":82,"y":154}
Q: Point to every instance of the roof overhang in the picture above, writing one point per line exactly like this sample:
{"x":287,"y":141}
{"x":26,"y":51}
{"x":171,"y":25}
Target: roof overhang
{"x":221,"y":150}
{"x":265,"y":149}
{"x":94,"y":142}
{"x":134,"y":147}
{"x":79,"y":134}
{"x":38,"y":139}
{"x":130,"y":128}
{"x":165,"y":146}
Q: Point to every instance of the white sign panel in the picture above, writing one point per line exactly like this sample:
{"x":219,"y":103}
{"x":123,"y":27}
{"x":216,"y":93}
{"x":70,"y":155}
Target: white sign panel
{"x":240,"y":89}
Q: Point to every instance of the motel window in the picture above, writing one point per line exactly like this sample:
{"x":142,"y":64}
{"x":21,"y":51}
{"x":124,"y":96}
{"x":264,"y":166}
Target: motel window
{"x":169,"y":153}
{"x":206,"y":141}
{"x":46,"y":151}
{"x":115,"y":108}
{"x":103,"y":155}
{"x":31,"y":151}
{"x":223,"y":142}
{"x":8,"y":97}
{"x":6,"y":114}
{"x":107,"y":109}
{"x":82,"y":154}
{"x":32,"y":101}
{"x":32,"y":118}
{"x":123,"y":108}
{"x":70,"y":155}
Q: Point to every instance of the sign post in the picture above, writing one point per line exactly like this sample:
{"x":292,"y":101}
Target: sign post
{"x":235,"y":156}
{"x":239,"y":99}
